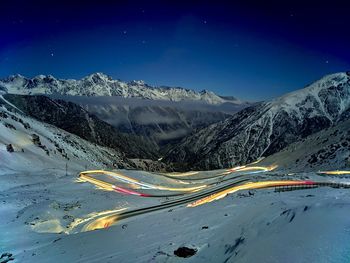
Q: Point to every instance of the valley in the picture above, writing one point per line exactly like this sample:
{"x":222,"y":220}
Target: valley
{"x":83,"y":175}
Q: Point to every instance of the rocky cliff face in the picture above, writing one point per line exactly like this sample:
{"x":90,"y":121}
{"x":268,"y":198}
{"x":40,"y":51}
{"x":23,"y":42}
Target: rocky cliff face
{"x":328,"y":149}
{"x":268,"y":127}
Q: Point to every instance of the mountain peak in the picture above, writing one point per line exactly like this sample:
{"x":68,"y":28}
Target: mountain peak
{"x":319,"y":87}
{"x":98,"y":76}
{"x":204,"y":91}
{"x":137,"y":82}
{"x":42,"y":77}
{"x":17,"y":76}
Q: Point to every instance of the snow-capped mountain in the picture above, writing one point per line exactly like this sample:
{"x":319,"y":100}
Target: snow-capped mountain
{"x":99,"y":84}
{"x":268,"y":127}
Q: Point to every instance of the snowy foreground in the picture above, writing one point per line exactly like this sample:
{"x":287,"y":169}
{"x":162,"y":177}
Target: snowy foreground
{"x":41,"y":211}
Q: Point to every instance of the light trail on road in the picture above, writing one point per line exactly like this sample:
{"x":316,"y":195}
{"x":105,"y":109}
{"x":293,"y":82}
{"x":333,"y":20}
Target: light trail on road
{"x":242,"y":168}
{"x":88,"y":176}
{"x":110,"y":187}
{"x":194,"y":196}
{"x":182,"y":174}
{"x":335,"y":172}
{"x":251,"y":169}
{"x":114,"y":218}
{"x":198,"y":199}
{"x":247,"y":186}
{"x":89,"y":217}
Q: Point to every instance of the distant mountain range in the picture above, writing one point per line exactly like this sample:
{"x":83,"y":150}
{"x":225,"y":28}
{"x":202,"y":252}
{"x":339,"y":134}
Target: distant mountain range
{"x":161,"y":115}
{"x":99,"y":84}
{"x":268,"y":127}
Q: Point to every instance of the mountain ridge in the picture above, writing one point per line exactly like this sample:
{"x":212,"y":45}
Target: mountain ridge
{"x":267,"y":127}
{"x":99,"y":84}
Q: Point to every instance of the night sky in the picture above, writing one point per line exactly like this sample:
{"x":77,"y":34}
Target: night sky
{"x":252,"y":50}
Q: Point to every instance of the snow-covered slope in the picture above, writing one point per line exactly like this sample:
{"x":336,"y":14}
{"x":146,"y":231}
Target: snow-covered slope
{"x":310,"y":225}
{"x":37,"y":146}
{"x":267,"y":128}
{"x":99,"y":84}
{"x":325,"y":150}
{"x":74,"y":119}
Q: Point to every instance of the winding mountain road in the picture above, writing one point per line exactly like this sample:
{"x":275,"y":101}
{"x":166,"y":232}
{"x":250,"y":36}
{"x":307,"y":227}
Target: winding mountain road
{"x":190,"y":196}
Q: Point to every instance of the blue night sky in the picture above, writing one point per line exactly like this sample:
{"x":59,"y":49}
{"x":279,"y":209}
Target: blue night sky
{"x":251,"y":50}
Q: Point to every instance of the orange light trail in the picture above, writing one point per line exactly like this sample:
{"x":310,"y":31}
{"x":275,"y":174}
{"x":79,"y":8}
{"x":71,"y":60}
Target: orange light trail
{"x":335,"y":172}
{"x":80,"y":221}
{"x":247,"y":186}
{"x":253,"y":169}
{"x":182,"y":174}
{"x":99,"y":223}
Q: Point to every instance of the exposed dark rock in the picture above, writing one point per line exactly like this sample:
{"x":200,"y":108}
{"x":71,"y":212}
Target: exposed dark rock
{"x":9,"y":148}
{"x":3,"y":115}
{"x":10,"y":126}
{"x":57,"y":239}
{"x":6,"y":257}
{"x":231,"y":248}
{"x":185,"y":252}
{"x":36,"y":139}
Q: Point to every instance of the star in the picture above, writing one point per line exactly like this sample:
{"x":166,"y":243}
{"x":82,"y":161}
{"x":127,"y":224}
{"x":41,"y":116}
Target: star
{"x":51,"y":54}
{"x":125,"y":32}
{"x":205,"y":21}
{"x":327,"y":61}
